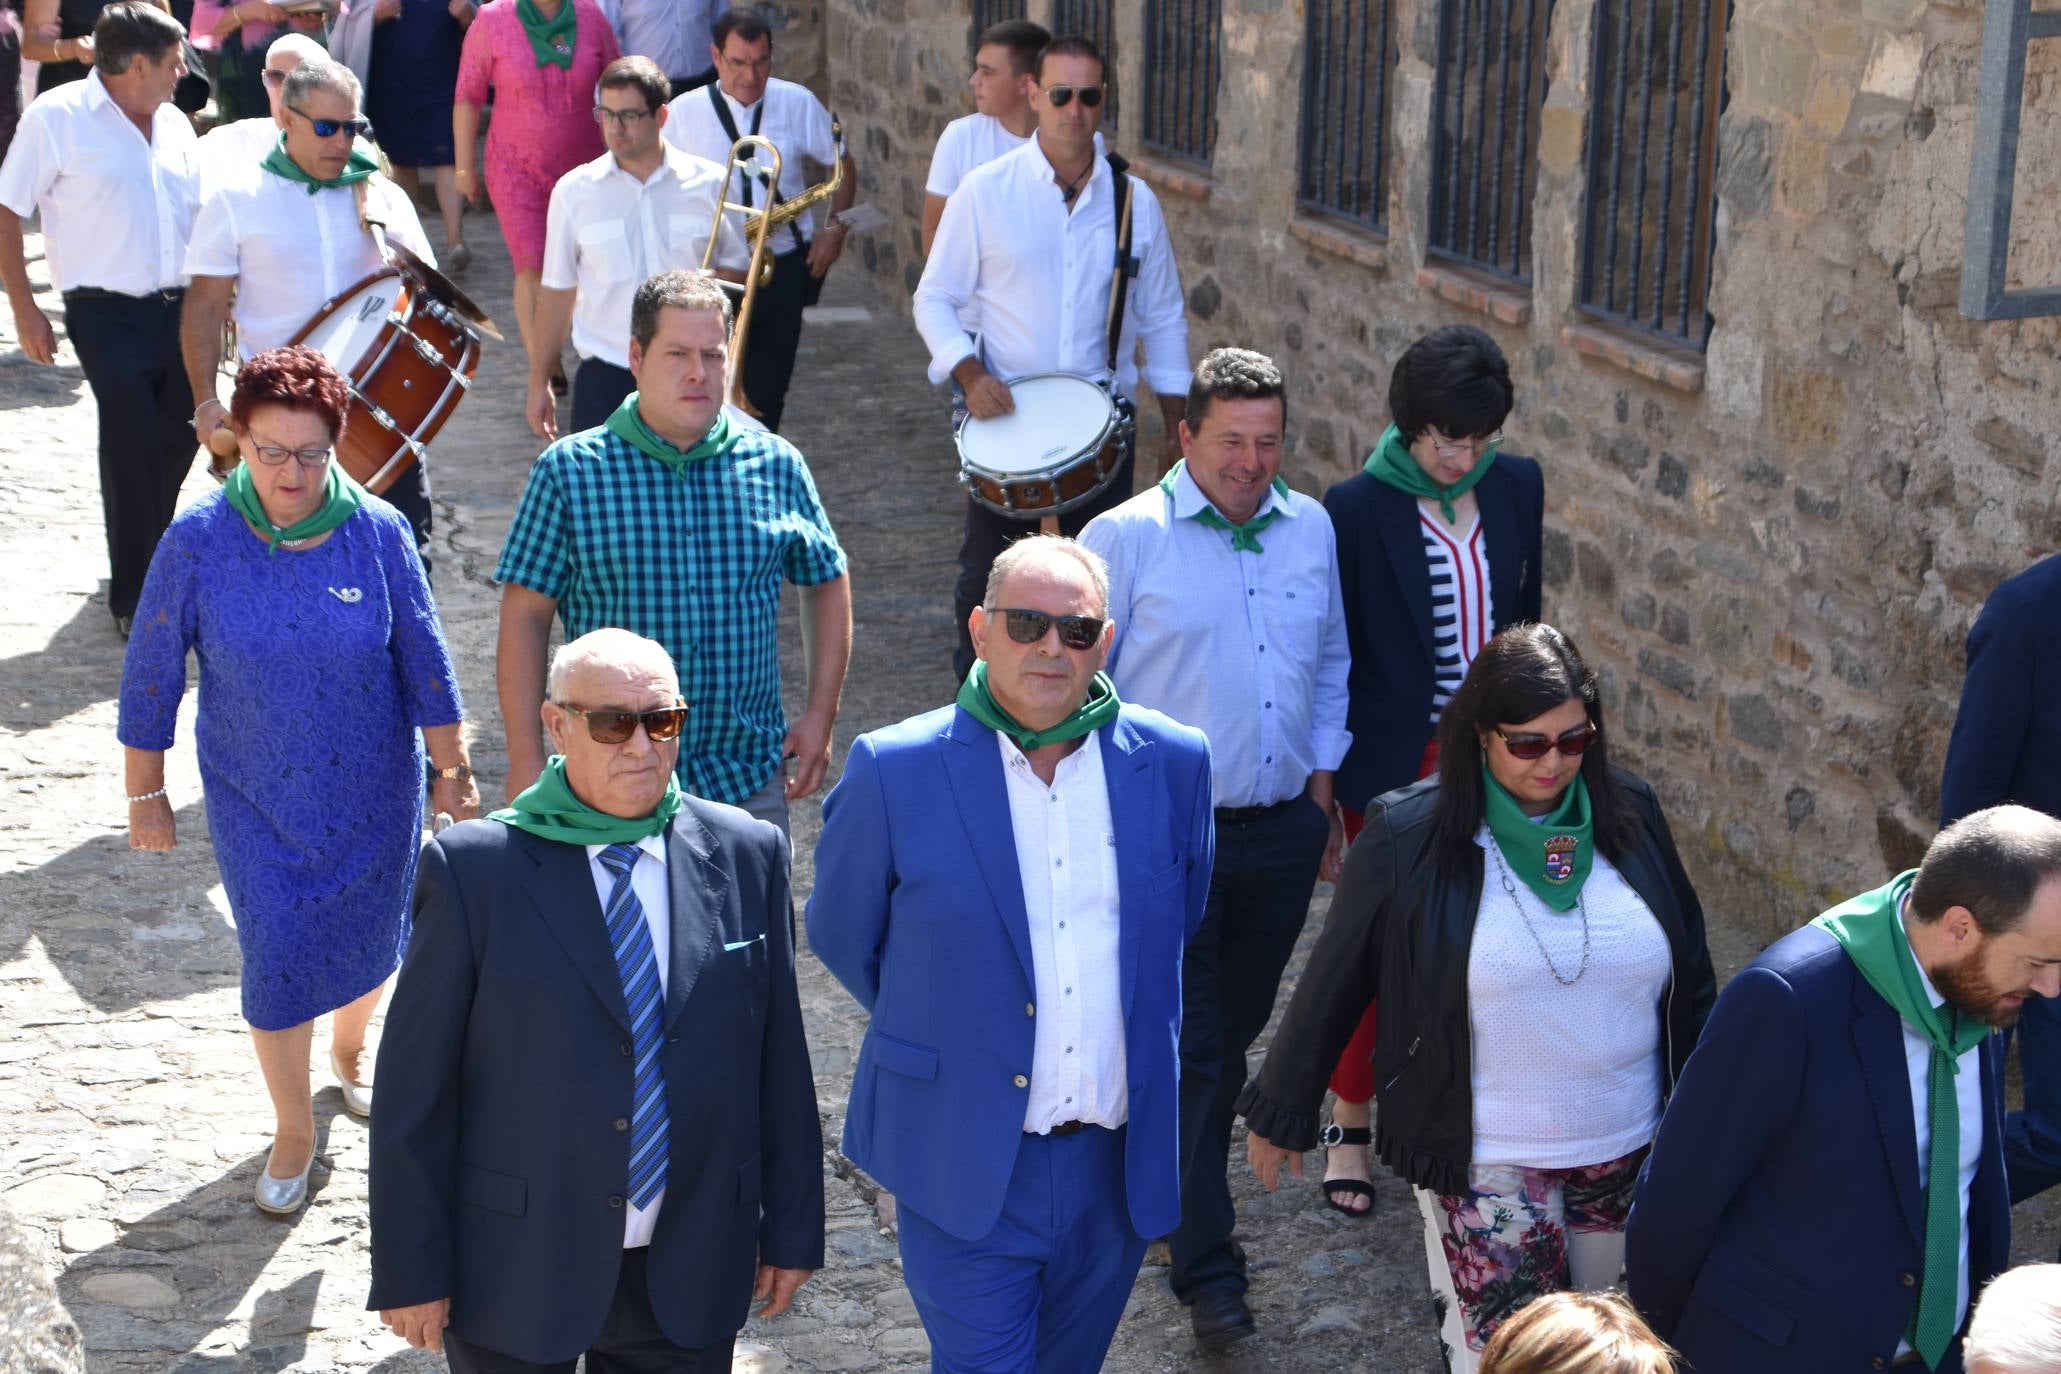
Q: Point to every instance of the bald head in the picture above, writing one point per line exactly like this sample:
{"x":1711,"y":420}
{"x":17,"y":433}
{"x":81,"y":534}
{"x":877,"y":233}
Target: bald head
{"x":1049,"y":553}
{"x":288,"y":51}
{"x":604,"y":651}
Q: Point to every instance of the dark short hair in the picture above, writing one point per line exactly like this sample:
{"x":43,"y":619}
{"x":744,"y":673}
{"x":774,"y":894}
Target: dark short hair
{"x":1072,"y":45}
{"x":746,"y":24}
{"x":1992,"y":862}
{"x":132,"y":29}
{"x":294,"y":378}
{"x":681,"y":290}
{"x":1454,"y":380}
{"x":1522,"y":673}
{"x":643,"y":74}
{"x":1023,"y":38}
{"x":1233,"y":374}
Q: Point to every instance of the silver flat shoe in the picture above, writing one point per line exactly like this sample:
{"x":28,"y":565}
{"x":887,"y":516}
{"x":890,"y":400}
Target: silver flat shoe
{"x":357,"y":1097}
{"x":282,"y":1197}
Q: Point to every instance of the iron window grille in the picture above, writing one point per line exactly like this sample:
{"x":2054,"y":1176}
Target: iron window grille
{"x":1094,"y":20}
{"x":1485,"y":129}
{"x":1349,"y":53}
{"x":1183,"y":48}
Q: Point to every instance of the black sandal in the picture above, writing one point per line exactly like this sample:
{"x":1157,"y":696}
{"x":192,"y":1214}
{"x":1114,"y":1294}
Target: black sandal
{"x":1334,"y":1134}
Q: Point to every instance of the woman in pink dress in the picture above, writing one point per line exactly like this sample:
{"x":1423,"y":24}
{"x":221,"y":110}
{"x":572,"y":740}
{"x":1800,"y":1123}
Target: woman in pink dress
{"x":542,"y":59}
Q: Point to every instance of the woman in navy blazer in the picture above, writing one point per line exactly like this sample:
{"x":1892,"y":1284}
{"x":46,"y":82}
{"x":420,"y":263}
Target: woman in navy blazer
{"x":1437,"y":501}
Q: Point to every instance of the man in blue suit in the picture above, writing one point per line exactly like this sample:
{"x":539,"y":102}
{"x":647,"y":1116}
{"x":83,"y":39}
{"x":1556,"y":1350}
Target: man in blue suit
{"x":597,"y":1126}
{"x":1008,"y":885}
{"x":1826,"y":1192}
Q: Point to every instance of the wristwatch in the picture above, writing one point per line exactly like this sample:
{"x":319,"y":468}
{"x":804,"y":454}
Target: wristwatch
{"x":457,"y":772}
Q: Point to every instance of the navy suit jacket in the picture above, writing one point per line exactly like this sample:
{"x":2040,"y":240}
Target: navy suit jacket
{"x":498,"y":1159}
{"x":918,"y":909}
{"x":1386,"y":587}
{"x":2007,"y":735}
{"x":1778,"y":1224}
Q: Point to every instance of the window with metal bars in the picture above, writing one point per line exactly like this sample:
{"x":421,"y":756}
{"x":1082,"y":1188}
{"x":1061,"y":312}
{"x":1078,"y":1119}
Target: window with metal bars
{"x":1094,"y":20}
{"x":1183,"y":39}
{"x":1348,"y":56}
{"x":988,"y":13}
{"x":1485,"y":132}
{"x":1658,"y":87}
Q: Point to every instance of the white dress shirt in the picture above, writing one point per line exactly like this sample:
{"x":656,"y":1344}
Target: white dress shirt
{"x":607,"y":233}
{"x":1248,"y":648}
{"x":231,"y":152}
{"x":1066,"y":857}
{"x":794,"y":121}
{"x":676,"y":34}
{"x":1036,"y":279}
{"x":117,"y":208}
{"x":290,"y":252}
{"x":648,"y":881}
{"x":1968,"y":1097}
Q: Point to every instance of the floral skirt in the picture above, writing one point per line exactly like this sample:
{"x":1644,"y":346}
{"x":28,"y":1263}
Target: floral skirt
{"x":1516,"y":1234}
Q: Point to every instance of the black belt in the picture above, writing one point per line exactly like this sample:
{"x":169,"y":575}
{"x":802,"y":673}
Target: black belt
{"x":1245,"y":815}
{"x":1065,"y":1128}
{"x":95,"y":293}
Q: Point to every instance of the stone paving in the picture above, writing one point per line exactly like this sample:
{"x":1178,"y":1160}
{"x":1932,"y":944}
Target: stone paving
{"x":132,"y":1120}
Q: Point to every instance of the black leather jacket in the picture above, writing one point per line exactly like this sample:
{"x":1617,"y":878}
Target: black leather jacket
{"x":1401,"y":929}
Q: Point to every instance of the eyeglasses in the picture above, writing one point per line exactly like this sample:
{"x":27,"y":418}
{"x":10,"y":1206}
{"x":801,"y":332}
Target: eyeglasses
{"x":1466,"y":448}
{"x":622,"y":119}
{"x":330,"y":128}
{"x":1091,"y":96}
{"x":1075,"y":631}
{"x":1571,"y":745}
{"x":614,"y":727}
{"x":748,"y":64}
{"x":272,"y":455}
{"x":274,"y":76}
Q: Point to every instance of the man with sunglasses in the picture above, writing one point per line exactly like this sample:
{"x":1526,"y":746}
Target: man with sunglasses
{"x":1018,"y":282}
{"x":1228,"y":619}
{"x":597,"y":1126}
{"x":639,"y":209}
{"x":286,"y":237}
{"x":1007,"y":885}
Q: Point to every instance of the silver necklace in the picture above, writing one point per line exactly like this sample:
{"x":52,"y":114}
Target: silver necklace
{"x":1510,"y":887}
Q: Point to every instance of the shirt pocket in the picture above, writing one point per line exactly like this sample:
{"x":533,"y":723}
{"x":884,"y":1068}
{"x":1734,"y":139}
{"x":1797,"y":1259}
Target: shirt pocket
{"x":605,"y":251}
{"x":686,"y":237}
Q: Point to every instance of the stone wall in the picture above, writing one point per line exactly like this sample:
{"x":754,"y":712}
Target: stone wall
{"x":1774,"y":558}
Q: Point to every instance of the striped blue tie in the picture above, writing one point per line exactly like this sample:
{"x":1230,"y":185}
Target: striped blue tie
{"x":637,"y":963}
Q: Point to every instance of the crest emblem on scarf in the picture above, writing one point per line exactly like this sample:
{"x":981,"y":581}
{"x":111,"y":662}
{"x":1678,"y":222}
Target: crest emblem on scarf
{"x":1560,"y":858}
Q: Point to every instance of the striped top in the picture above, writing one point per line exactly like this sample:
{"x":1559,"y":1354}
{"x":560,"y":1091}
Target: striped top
{"x":1460,"y":613}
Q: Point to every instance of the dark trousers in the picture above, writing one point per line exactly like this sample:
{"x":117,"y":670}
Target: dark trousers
{"x":2032,"y":1135}
{"x":1259,"y":895}
{"x":129,"y":349}
{"x":630,"y":1341}
{"x":598,"y":388}
{"x":988,"y":533}
{"x":776,"y":325}
{"x":409,"y":495}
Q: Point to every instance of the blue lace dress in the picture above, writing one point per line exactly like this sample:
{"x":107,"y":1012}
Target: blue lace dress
{"x":317,"y":668}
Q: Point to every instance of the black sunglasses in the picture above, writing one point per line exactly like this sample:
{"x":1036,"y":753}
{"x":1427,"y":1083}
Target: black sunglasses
{"x":1075,"y":631}
{"x":1528,"y":747}
{"x":614,"y":727}
{"x":1091,"y":96}
{"x":330,"y":128}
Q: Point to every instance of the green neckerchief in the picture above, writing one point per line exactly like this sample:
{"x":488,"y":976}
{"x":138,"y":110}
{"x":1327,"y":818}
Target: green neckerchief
{"x":361,"y":165}
{"x":551,"y":40}
{"x":1871,"y":929}
{"x":1243,"y":537}
{"x":627,"y":425}
{"x":340,"y":496}
{"x":1097,"y":711}
{"x":1391,"y":462}
{"x":1553,"y":853}
{"x":548,"y":809}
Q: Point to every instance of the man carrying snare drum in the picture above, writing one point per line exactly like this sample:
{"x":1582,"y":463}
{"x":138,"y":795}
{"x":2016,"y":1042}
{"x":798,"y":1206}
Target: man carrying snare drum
{"x":1024,"y":255}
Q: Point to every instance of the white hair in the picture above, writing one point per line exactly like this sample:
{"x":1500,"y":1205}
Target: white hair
{"x":606,"y":647}
{"x":320,"y":74}
{"x":1041,"y":548}
{"x":2016,"y":1328}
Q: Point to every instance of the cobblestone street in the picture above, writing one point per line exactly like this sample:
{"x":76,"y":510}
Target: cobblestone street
{"x":132,"y":1119}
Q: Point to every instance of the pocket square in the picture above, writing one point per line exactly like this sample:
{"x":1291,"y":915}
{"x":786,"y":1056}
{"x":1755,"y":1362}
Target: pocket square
{"x":731,"y":946}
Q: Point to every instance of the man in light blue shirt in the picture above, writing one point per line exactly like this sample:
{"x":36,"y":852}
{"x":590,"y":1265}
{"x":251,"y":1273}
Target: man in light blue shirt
{"x":1224,"y":590}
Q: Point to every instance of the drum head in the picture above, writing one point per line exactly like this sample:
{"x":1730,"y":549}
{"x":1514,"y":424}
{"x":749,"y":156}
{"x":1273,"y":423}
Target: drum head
{"x":1056,"y":418}
{"x":347,"y":330}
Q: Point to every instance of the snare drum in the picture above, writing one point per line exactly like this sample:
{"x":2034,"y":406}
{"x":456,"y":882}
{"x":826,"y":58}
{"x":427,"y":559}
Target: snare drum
{"x":1056,"y":451}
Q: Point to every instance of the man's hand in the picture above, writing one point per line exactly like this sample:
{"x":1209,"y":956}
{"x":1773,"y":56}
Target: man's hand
{"x":1266,"y":1159}
{"x":385,"y":10}
{"x":32,"y":327}
{"x":987,"y":398}
{"x":422,"y":1325}
{"x":826,"y":248}
{"x":1334,"y":845}
{"x":151,"y":825}
{"x":542,"y":411}
{"x":776,"y":1288}
{"x":808,"y":743}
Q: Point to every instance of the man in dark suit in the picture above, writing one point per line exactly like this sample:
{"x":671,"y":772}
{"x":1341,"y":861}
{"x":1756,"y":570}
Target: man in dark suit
{"x":1827,"y":1189}
{"x":1007,"y":886}
{"x":2007,"y":748}
{"x":597,"y":1127}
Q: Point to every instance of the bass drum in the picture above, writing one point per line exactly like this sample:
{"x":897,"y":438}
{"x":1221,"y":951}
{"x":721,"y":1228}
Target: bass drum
{"x":1056,"y":451}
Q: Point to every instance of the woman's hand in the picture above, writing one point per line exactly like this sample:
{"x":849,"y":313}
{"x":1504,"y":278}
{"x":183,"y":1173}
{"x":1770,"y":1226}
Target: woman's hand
{"x":456,"y":798}
{"x":151,"y":825}
{"x":1266,"y":1159}
{"x":261,"y":12}
{"x":468,"y":185}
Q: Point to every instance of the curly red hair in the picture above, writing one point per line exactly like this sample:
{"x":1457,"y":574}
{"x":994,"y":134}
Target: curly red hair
{"x":297,"y":378}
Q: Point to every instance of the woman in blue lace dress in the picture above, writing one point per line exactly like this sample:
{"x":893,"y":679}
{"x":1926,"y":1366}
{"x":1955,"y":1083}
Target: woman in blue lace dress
{"x":322,"y":672}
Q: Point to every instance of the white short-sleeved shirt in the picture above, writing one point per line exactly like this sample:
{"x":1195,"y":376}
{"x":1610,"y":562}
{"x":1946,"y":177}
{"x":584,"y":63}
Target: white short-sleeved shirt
{"x":794,"y":121}
{"x":607,"y":233}
{"x":229,"y":153}
{"x":117,"y":208}
{"x":291,"y":252}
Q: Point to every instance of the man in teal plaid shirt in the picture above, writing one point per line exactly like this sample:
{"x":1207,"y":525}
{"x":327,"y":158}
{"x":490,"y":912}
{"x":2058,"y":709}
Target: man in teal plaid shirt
{"x":676,"y":522}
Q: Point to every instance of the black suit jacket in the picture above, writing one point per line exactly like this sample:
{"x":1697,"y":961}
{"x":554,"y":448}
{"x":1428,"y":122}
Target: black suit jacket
{"x":2007,"y":735}
{"x":500,"y":1152}
{"x":1386,"y":586}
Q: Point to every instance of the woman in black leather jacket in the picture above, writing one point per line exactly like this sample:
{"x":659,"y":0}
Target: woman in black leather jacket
{"x":1538,"y":954}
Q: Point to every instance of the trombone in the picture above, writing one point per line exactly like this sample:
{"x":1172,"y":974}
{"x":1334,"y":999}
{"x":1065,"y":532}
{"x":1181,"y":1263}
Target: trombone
{"x":759,"y":223}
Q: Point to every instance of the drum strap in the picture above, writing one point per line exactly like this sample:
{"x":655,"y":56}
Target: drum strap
{"x":729,"y":122}
{"x":1126,"y":264}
